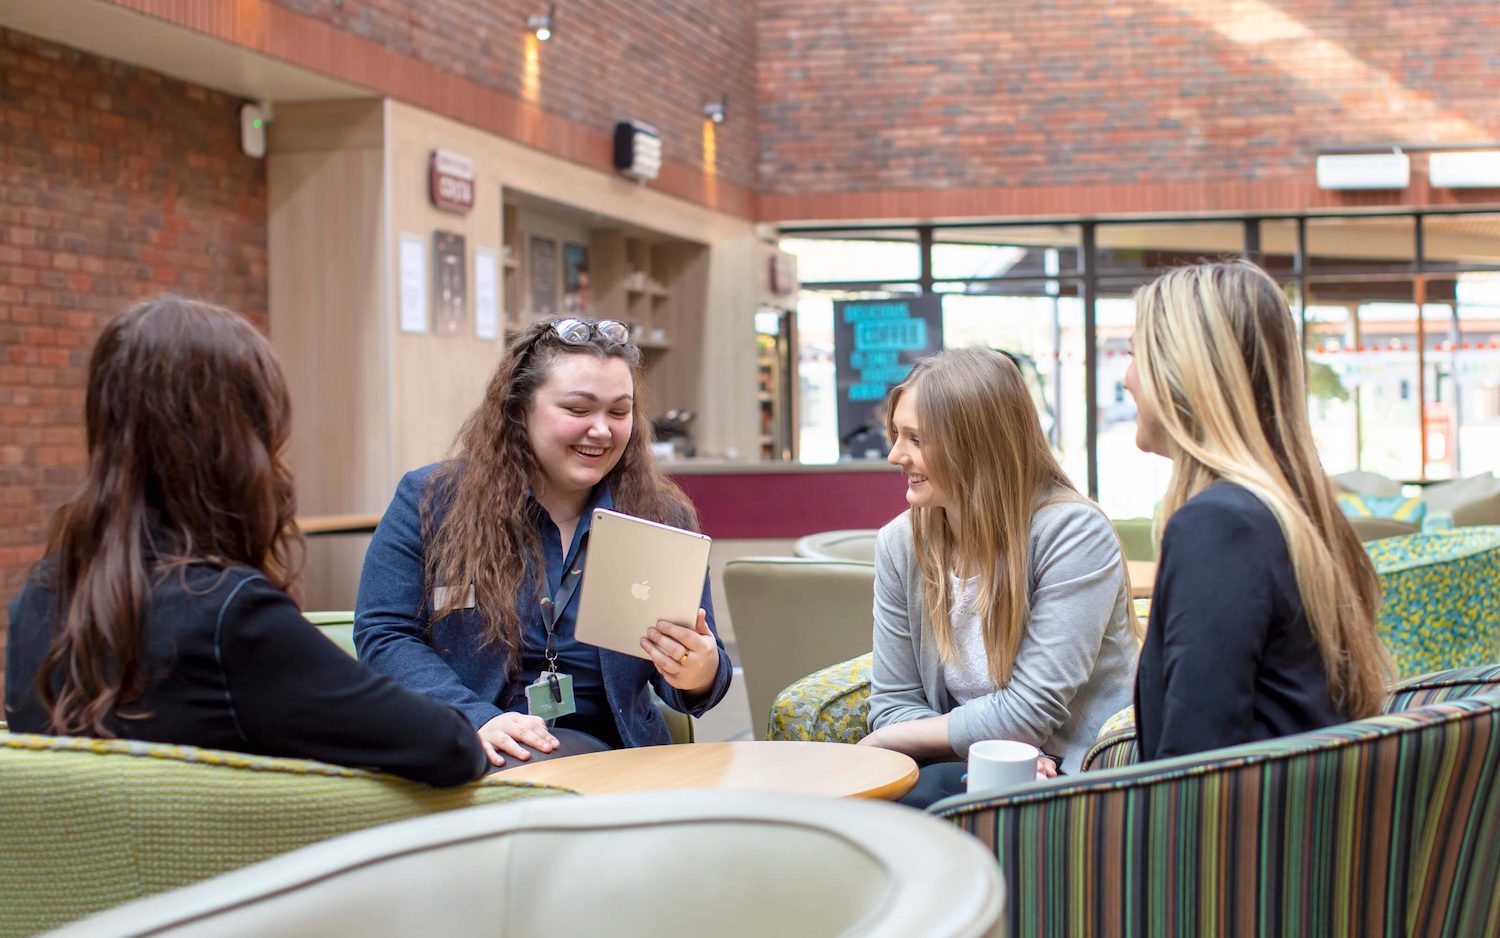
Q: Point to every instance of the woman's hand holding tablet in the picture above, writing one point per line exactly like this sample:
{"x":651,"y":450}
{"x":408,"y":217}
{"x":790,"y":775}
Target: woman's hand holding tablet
{"x":687,"y":657}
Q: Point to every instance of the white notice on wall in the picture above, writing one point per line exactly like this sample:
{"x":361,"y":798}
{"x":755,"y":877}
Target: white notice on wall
{"x":486,"y":297}
{"x":413,"y":283}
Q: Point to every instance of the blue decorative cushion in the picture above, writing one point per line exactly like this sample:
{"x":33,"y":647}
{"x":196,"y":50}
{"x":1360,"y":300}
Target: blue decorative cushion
{"x":1396,"y":508}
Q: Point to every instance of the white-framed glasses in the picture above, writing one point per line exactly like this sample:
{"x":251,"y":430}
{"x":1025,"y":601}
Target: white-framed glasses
{"x":579,"y":331}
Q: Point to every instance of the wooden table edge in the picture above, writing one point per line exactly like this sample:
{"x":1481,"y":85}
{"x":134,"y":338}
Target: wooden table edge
{"x":545,"y":773}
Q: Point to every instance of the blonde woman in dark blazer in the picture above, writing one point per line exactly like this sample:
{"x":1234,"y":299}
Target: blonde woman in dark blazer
{"x":1263,"y":612}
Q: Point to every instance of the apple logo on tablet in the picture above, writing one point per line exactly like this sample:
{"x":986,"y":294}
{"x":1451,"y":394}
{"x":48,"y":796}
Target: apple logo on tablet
{"x":641,"y":590}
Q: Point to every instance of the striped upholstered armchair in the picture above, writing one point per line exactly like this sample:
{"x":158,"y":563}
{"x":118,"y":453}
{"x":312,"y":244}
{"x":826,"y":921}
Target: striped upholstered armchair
{"x":1384,"y":826}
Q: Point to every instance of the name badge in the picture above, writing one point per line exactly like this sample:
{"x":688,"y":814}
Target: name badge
{"x":551,"y":696}
{"x":443,"y":594}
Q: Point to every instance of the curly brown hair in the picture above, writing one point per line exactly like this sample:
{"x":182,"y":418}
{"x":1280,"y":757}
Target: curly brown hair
{"x":186,"y":418}
{"x":476,"y":519}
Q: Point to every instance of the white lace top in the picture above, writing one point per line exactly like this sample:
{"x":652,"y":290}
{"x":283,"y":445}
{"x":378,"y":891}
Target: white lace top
{"x":968,"y":677}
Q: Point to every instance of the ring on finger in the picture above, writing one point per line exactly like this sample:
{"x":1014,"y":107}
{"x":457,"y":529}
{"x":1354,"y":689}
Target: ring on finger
{"x":683,"y":659}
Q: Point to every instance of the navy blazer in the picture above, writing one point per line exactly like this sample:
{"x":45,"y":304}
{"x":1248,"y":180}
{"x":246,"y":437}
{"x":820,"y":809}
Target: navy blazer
{"x":451,"y":662}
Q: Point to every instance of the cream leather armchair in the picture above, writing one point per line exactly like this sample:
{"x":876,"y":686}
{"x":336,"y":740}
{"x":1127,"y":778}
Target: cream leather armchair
{"x":853,"y":544}
{"x":1373,"y":529}
{"x":793,"y":616}
{"x":726,"y":864}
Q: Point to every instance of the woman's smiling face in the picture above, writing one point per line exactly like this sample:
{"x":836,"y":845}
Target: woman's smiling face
{"x":579,"y":422}
{"x":906,"y":452}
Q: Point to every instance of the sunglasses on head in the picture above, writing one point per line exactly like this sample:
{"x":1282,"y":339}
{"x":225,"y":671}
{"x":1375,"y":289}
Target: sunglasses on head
{"x":579,"y":331}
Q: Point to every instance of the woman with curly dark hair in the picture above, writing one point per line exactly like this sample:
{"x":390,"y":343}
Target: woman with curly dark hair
{"x":161,"y":610}
{"x":468,"y":585}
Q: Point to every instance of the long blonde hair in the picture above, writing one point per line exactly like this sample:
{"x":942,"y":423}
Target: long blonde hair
{"x":1219,"y":364}
{"x":982,"y":445}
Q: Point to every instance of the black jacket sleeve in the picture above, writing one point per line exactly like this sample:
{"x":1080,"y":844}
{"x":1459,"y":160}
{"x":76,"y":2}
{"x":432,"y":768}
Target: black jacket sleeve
{"x":1214,"y":589}
{"x":296,"y":693}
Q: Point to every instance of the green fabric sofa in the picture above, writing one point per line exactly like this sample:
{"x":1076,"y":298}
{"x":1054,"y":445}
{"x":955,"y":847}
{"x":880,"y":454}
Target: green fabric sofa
{"x":87,"y":824}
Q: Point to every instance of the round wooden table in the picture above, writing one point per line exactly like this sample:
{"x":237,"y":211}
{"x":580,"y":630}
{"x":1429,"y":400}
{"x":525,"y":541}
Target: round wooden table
{"x":836,"y":770}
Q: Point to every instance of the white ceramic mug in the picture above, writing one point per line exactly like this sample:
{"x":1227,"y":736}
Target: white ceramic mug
{"x":1001,"y":763}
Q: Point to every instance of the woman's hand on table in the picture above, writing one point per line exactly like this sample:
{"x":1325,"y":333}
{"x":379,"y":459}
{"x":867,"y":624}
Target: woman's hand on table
{"x":687,"y":657}
{"x":511,"y":733}
{"x":1046,"y":768}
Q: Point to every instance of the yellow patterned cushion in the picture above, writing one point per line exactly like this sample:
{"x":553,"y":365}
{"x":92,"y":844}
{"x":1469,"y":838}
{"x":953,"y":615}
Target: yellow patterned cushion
{"x":1396,"y":508}
{"x":831,"y":705}
{"x":1440,"y":607}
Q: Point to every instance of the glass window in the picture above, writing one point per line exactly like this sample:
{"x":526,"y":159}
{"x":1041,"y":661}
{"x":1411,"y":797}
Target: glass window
{"x":817,"y":376}
{"x":1131,"y":481}
{"x":1361,"y":245}
{"x":1375,"y":398}
{"x":1044,"y":336}
{"x":1145,"y":249}
{"x":1010,"y":251}
{"x":872,"y":256}
{"x":1363,"y":388}
{"x":1461,"y":242}
{"x":1466,"y":364}
{"x":1278,"y":246}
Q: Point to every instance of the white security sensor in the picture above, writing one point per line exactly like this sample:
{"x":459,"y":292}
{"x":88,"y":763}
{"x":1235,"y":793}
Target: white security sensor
{"x":253,"y":130}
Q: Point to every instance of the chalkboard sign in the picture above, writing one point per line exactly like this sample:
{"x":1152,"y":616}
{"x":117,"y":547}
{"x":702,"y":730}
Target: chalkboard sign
{"x":875,"y":343}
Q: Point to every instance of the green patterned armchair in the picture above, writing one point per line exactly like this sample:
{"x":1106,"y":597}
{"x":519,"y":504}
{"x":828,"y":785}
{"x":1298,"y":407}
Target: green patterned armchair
{"x":1385,"y":826}
{"x":1441,"y":602}
{"x":88,"y":824}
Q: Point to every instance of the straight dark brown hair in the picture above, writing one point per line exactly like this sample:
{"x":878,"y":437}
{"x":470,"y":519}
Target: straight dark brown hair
{"x":186,"y":418}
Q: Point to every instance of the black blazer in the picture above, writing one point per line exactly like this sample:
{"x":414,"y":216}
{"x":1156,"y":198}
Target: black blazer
{"x":232,"y":664}
{"x":1229,"y":656}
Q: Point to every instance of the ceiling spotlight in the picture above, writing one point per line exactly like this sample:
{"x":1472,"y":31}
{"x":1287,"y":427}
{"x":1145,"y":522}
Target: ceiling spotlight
{"x":715,"y":110}
{"x":541,"y":23}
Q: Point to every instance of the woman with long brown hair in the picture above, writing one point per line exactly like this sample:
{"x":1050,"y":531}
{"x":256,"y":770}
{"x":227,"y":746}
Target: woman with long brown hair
{"x":468,"y":585}
{"x":161,"y":609}
{"x":1263,"y":613}
{"x":1001,"y":596}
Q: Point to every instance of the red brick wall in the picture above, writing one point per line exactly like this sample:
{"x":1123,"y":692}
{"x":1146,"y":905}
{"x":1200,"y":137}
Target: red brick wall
{"x":608,"y":59}
{"x":864,"y":96}
{"x":115,"y":183}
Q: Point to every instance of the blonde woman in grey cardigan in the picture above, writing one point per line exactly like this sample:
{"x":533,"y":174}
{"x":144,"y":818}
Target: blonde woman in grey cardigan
{"x":1001,"y":598}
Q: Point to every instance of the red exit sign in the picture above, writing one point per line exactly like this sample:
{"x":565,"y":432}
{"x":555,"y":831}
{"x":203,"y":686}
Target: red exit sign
{"x":450,"y":181}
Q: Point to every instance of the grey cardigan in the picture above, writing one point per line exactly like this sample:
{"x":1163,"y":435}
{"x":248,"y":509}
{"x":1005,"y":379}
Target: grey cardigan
{"x":1076,"y":663}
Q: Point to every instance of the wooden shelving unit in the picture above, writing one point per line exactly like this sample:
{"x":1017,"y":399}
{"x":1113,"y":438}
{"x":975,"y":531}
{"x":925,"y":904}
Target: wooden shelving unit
{"x":656,"y":284}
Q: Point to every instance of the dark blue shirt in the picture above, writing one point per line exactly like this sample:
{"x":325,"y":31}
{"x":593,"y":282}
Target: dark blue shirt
{"x":449,"y":659}
{"x":574,"y":658}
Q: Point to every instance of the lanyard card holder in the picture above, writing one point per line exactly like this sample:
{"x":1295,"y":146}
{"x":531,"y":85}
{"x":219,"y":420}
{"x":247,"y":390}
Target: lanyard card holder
{"x":550,"y":696}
